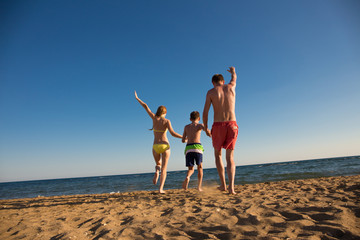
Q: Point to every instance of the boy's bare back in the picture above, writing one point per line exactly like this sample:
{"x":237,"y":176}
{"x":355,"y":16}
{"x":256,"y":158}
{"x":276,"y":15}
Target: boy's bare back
{"x":192,"y":132}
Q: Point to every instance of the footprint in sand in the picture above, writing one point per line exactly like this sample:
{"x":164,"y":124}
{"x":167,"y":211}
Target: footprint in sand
{"x":198,"y":235}
{"x":250,"y":220}
{"x":89,"y":220}
{"x":291,"y":216}
{"x":321,"y":217}
{"x":196,"y":209}
{"x":331,"y":231}
{"x":167,"y":212}
{"x":127,"y":220}
{"x":58,"y":236}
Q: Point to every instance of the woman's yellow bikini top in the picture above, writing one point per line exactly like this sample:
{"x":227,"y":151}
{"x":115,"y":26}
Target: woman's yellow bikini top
{"x":159,"y":130}
{"x":162,"y":116}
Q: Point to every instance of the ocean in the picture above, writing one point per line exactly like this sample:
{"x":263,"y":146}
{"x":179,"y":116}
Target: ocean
{"x":340,"y":166}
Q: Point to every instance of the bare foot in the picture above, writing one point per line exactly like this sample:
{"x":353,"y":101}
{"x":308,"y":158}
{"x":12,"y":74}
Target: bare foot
{"x":186,"y":183}
{"x":232,"y":192}
{"x":162,"y":191}
{"x":222,"y":188}
{"x":200,"y":189}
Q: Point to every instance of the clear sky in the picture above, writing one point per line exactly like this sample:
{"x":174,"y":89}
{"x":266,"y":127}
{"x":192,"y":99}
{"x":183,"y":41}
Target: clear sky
{"x":68,"y":71}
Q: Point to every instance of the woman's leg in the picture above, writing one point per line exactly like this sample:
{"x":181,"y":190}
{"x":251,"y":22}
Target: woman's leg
{"x":165,"y":159}
{"x":157,"y":159}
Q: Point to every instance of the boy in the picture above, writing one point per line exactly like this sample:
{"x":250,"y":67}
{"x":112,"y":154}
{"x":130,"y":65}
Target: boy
{"x":194,"y":150}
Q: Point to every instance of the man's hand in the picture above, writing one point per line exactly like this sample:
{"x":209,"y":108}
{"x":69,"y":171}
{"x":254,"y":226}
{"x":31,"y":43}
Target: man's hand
{"x":136,"y":96}
{"x":231,"y":70}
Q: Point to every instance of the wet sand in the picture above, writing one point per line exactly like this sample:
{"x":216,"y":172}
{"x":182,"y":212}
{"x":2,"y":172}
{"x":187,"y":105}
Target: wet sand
{"x":321,"y":208}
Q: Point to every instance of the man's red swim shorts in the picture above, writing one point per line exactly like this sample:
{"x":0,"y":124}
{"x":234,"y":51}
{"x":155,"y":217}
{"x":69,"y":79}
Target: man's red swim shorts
{"x":224,"y":134}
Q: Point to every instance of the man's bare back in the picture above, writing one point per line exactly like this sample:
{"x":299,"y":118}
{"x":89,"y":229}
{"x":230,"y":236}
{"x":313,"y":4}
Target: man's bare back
{"x":222,"y":98}
{"x":223,"y":101}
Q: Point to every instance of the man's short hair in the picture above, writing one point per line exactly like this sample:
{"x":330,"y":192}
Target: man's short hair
{"x":194,"y":115}
{"x":217,"y":78}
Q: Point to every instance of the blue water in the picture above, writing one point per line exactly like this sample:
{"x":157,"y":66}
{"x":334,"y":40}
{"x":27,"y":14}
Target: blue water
{"x":343,"y":166}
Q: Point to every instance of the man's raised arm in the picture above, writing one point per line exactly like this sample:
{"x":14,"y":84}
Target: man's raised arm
{"x":233,"y":76}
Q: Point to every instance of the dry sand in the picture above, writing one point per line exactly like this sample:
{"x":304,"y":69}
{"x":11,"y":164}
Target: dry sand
{"x":322,"y":208}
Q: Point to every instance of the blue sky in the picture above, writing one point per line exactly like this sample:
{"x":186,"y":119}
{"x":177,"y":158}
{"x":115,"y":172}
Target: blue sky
{"x":68,"y":71}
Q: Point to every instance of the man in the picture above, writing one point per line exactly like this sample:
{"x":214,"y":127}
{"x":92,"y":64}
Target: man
{"x":224,"y":130}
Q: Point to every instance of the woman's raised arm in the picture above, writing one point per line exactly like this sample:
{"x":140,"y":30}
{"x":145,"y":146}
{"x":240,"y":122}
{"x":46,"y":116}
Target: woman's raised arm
{"x":145,"y":106}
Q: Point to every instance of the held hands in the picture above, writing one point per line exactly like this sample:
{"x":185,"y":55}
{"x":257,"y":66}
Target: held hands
{"x":208,"y":132}
{"x":231,"y":70}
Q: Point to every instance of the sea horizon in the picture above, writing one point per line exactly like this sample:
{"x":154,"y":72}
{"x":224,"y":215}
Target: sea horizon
{"x":180,"y":170}
{"x":248,"y":174}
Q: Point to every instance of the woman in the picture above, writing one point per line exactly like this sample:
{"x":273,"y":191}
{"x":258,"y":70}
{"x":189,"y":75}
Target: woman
{"x":161,"y":147}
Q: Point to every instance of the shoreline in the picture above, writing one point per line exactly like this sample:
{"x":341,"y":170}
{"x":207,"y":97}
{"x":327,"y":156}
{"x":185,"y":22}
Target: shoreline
{"x":317,"y":208}
{"x":211,"y":187}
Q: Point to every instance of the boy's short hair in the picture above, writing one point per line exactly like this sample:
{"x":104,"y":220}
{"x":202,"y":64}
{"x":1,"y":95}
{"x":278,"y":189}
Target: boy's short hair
{"x":217,"y":78}
{"x":194,"y":115}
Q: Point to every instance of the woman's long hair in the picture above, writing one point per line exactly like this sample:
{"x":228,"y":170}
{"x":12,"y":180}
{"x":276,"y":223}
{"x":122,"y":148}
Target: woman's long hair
{"x":160,"y":111}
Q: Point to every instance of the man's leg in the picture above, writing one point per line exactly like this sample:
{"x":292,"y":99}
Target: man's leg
{"x":220,"y":169}
{"x":230,"y":168}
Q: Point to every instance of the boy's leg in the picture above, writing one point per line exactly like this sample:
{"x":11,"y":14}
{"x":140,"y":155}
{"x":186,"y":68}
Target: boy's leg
{"x":200,"y":176}
{"x":187,"y":179}
{"x":220,"y":169}
{"x":165,"y":159}
{"x":157,"y":159}
{"x":230,"y":168}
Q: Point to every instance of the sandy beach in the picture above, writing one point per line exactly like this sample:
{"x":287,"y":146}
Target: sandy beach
{"x":321,"y":208}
